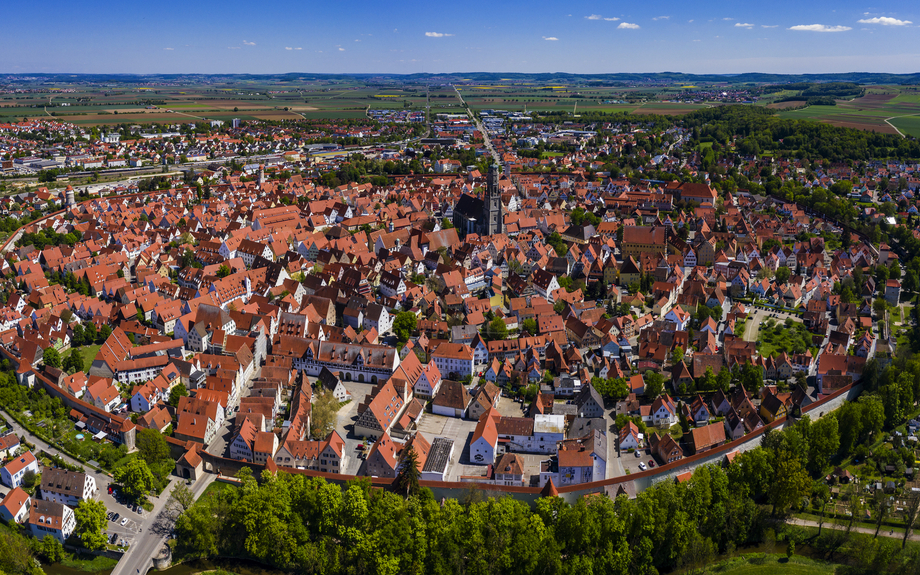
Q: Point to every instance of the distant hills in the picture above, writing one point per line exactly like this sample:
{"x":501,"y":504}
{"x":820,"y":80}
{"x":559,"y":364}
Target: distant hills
{"x":676,"y":78}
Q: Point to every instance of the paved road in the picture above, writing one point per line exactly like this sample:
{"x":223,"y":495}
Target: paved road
{"x":155,"y":530}
{"x":147,"y":532}
{"x":482,"y":130}
{"x":829,"y":524}
{"x":102,"y":478}
{"x":224,"y":436}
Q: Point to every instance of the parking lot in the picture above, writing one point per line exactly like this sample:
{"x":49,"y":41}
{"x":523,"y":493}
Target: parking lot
{"x":345,"y":423}
{"x":125,"y":526}
{"x":631,"y":463}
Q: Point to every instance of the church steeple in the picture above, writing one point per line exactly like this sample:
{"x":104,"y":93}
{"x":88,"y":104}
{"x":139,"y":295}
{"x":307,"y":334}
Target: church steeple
{"x":494,"y":222}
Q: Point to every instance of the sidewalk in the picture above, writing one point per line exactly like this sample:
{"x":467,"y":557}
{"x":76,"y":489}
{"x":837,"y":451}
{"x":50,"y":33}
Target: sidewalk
{"x":829,"y":524}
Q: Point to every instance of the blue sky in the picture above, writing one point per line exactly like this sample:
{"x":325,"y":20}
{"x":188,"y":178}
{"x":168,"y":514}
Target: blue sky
{"x":277,"y":36}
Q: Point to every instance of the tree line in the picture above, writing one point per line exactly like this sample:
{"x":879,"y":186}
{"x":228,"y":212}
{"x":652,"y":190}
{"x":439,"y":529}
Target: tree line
{"x":292,"y":521}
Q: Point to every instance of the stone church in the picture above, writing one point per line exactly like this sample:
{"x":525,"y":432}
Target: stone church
{"x":473,"y":215}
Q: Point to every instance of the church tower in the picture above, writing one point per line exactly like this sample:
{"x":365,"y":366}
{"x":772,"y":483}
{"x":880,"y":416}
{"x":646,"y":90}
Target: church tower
{"x":492,"y":218}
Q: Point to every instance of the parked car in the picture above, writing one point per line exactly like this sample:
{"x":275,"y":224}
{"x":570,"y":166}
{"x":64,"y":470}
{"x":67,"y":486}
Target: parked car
{"x":111,"y":489}
{"x":651,"y":463}
{"x":642,"y":466}
{"x":124,"y":522}
{"x":638,"y":454}
{"x":115,"y":518}
{"x":114,"y":538}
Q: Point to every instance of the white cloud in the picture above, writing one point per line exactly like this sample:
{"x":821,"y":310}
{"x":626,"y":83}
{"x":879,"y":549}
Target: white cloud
{"x":614,"y":19}
{"x":743,"y":25}
{"x":728,"y":19}
{"x":628,"y":26}
{"x":248,"y":43}
{"x":689,"y":21}
{"x":167,"y":48}
{"x":290,"y":48}
{"x":341,"y":49}
{"x":550,"y":38}
{"x":766,"y":26}
{"x":594,"y":17}
{"x":885,"y":21}
{"x":661,"y":18}
{"x":436,"y":34}
{"x":819,"y":28}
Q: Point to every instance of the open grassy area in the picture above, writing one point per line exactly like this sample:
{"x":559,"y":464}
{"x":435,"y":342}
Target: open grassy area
{"x":767,"y":564}
{"x":89,"y":353}
{"x":774,"y":338}
{"x":909,"y":125}
{"x":215,"y":488}
{"x":89,"y":563}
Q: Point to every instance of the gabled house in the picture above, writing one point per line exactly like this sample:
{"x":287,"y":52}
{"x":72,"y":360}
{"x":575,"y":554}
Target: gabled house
{"x":51,"y":518}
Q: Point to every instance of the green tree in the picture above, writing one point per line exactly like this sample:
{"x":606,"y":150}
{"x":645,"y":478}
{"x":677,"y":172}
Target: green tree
{"x":223,"y":271}
{"x":151,"y":446}
{"x":724,"y":379}
{"x":530,"y":326}
{"x":911,"y":512}
{"x":677,"y":355}
{"x":91,"y":522}
{"x":74,"y":362}
{"x":404,"y":325}
{"x":89,"y":333}
{"x":881,"y":507}
{"x":790,"y":482}
{"x":104,"y":334}
{"x":51,"y":357}
{"x":324,"y":412}
{"x":177,"y":392}
{"x":823,"y":442}
{"x":497,"y":330}
{"x":654,"y":384}
{"x":407,"y":480}
{"x":77,"y":337}
{"x":753,"y":474}
{"x":197,"y":531}
{"x":181,"y":498}
{"x":782,"y":274}
{"x":135,"y":479}
{"x":51,"y":549}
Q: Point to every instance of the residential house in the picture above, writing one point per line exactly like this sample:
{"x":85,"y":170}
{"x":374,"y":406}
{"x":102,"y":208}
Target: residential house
{"x":51,"y":518}
{"x":67,"y":487}
{"x":13,"y":472}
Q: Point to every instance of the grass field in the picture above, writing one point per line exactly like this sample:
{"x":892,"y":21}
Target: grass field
{"x":868,"y":112}
{"x":89,"y":354}
{"x":768,"y":564}
{"x":909,"y":125}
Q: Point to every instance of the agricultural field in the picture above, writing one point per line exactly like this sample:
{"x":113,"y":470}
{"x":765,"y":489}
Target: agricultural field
{"x":347,"y":98}
{"x":900,"y":106}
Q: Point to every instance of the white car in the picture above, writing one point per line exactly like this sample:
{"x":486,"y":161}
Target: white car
{"x":641,"y":466}
{"x":124,"y":521}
